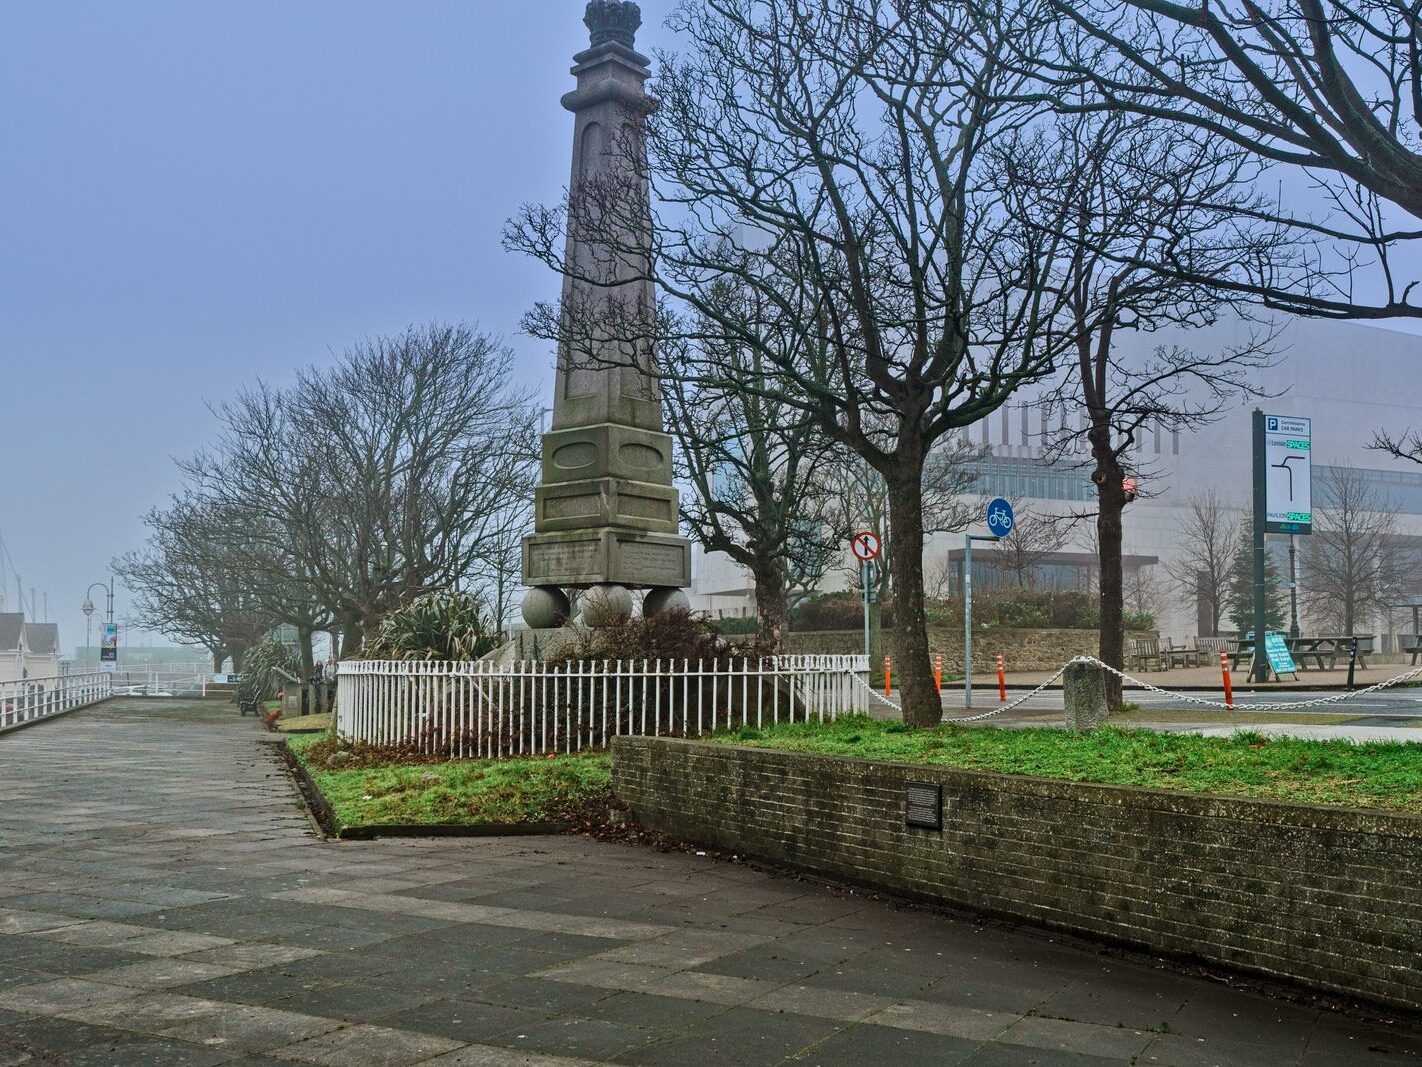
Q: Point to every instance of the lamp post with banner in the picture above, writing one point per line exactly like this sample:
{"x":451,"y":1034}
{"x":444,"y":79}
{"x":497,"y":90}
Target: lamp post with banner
{"x":108,"y":651}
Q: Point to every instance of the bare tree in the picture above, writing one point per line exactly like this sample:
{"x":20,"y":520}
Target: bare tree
{"x":1034,"y":537}
{"x":191,"y":583}
{"x":380,"y":477}
{"x":851,"y":139}
{"x":1203,"y":567}
{"x":1150,"y":218}
{"x":1331,"y":88}
{"x":1350,"y":567}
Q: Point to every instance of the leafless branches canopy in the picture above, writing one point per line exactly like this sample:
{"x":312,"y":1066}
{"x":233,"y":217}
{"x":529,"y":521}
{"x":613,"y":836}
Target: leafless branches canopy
{"x":1328,"y":89}
{"x":396,"y":471}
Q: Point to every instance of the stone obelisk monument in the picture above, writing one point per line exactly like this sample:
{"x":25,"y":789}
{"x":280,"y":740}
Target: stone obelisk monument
{"x":605,"y":517}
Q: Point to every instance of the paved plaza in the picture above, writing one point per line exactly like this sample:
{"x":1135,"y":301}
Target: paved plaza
{"x":164,"y":901}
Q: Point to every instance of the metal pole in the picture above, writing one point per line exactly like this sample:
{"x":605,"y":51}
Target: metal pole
{"x":1293,"y":587}
{"x":1260,"y":672}
{"x":864,"y":579}
{"x":968,"y":621}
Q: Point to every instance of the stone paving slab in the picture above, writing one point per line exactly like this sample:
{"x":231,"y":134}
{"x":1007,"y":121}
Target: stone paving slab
{"x":172,"y":905}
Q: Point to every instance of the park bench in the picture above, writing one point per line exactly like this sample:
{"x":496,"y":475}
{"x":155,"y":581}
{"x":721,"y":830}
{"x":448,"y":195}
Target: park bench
{"x":1179,"y":655}
{"x":1211,"y":647}
{"x":1410,"y":644}
{"x":1142,"y":652}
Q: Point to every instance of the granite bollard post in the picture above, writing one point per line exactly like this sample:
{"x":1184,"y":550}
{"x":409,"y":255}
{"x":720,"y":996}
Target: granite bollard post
{"x":1084,"y":694}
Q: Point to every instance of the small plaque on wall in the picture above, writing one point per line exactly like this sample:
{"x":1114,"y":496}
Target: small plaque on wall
{"x":923,"y":805}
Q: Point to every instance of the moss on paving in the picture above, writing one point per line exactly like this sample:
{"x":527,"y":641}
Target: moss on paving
{"x":1385,"y":775}
{"x":304,"y":723}
{"x":460,"y":792}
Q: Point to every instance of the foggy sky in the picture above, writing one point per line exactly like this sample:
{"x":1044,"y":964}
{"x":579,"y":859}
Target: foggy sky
{"x":199,"y":194}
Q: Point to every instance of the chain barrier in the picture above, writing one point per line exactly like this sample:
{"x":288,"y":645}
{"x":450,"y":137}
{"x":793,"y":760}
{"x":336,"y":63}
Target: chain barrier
{"x":1336,"y":698}
{"x":1278,"y":705}
{"x":970,"y":718}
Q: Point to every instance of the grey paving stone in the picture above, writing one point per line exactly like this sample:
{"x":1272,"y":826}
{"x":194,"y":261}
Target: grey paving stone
{"x":1088,"y":1039}
{"x":575,"y":1037}
{"x":131,"y":1050}
{"x":494,"y":1056}
{"x":648,"y":1009}
{"x":368,"y":1046}
{"x":869,"y":1044}
{"x":464,"y":1020}
{"x":740,"y":1036}
{"x":251,"y":1029}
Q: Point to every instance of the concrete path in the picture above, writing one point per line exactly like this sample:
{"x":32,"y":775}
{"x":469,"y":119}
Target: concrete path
{"x":162,"y":901}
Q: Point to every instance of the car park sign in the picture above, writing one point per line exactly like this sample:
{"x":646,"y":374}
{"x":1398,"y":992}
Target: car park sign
{"x":1288,"y":459}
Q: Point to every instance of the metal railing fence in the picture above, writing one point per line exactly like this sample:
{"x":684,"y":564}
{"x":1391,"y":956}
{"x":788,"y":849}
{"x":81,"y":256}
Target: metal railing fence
{"x":486,"y":710}
{"x":38,"y":698}
{"x":159,"y":679}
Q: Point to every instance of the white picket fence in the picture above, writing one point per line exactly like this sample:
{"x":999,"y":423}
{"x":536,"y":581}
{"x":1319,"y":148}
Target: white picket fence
{"x":38,"y":698}
{"x":487,"y":710}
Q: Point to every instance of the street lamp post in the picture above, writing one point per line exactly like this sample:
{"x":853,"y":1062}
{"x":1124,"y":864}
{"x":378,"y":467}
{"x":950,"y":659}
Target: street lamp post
{"x":88,"y":608}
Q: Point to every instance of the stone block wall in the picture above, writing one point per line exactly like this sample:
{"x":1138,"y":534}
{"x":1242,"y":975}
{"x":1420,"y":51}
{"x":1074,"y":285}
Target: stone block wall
{"x":1021,"y":649}
{"x":1326,"y":897}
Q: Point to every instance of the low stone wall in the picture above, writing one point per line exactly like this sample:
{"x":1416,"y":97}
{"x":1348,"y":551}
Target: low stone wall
{"x":1326,"y":897}
{"x":1021,"y":649}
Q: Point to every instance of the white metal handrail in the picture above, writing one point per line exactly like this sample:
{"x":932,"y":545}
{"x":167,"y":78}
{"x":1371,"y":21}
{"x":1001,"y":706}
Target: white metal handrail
{"x":29,"y":699}
{"x":484,"y":709}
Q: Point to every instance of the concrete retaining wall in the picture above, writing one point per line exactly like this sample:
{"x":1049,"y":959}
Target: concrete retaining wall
{"x":1326,"y":897}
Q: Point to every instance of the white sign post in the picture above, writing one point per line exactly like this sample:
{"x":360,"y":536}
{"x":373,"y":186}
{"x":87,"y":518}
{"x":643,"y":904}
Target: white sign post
{"x":1288,"y":490}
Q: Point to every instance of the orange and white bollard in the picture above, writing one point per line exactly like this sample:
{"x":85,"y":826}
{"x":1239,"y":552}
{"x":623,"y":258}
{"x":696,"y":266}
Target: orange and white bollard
{"x":1224,"y":670}
{"x":938,"y":671}
{"x":1001,"y":680}
{"x":887,"y":673}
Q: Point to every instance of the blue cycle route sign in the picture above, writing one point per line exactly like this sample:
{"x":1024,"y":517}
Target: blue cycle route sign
{"x":999,"y":518}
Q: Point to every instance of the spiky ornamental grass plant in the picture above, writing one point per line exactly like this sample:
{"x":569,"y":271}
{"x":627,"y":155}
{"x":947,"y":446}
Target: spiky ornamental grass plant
{"x":262,"y":669}
{"x":435,"y":626}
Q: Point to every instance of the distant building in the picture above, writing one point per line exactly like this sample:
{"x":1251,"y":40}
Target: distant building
{"x":41,"y":649}
{"x":27,"y":649}
{"x":1351,"y":380}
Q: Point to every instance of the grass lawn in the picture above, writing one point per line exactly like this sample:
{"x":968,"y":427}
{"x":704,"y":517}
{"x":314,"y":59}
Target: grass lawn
{"x":459,"y":792}
{"x":1385,"y":775}
{"x":1218,"y":716}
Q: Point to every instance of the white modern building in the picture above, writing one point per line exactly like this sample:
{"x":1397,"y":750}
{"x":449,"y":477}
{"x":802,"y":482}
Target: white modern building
{"x":1351,"y":380}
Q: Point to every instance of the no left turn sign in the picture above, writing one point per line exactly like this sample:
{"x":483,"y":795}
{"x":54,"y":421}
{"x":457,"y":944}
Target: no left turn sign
{"x":865,"y":546}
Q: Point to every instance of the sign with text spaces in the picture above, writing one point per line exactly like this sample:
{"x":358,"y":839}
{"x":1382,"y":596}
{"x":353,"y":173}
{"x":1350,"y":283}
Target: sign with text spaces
{"x":1288,"y":462}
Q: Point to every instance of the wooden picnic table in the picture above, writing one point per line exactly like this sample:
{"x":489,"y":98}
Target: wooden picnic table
{"x":1328,"y":647}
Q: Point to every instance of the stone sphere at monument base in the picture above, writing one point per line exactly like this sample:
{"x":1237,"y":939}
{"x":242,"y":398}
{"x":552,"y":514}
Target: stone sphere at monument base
{"x":545,"y":607}
{"x":605,"y":604}
{"x":663,"y":599}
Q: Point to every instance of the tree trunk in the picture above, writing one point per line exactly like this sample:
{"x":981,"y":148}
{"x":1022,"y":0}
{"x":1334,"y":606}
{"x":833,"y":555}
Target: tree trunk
{"x":1111,"y":501}
{"x":922,"y":706}
{"x":308,"y":667}
{"x":772,"y":609}
{"x":350,"y":638}
{"x":219,"y":657}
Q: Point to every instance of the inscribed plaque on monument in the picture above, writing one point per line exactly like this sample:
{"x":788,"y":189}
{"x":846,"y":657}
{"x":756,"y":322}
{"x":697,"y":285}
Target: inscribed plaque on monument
{"x":660,"y":564}
{"x":563,"y":558}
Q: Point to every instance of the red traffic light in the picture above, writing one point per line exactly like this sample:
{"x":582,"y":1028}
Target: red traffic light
{"x":1129,"y":484}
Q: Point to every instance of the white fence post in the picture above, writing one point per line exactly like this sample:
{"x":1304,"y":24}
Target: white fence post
{"x":492,"y":710}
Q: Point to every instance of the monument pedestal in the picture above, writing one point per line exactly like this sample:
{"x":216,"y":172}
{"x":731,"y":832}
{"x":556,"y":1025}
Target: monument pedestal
{"x":580,"y":558}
